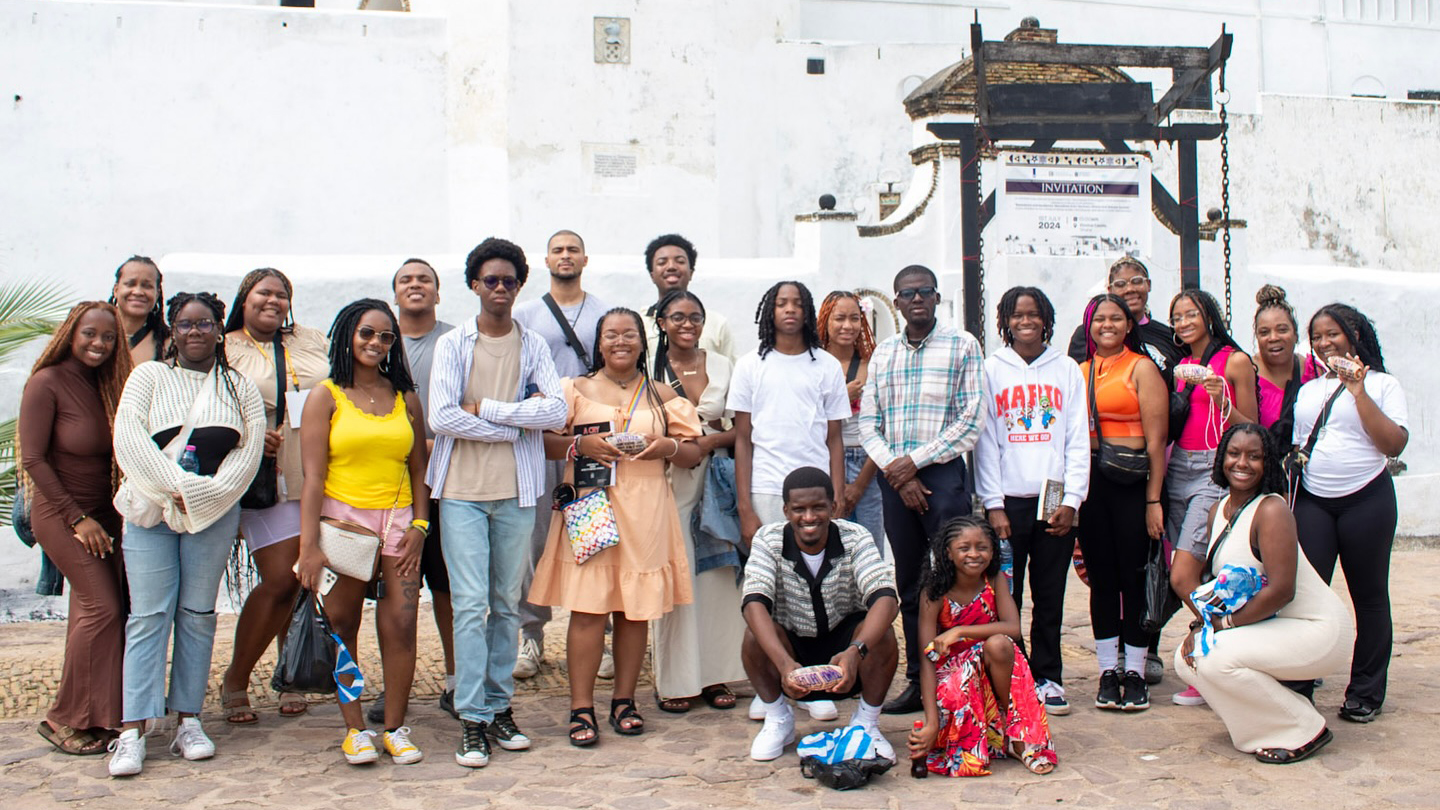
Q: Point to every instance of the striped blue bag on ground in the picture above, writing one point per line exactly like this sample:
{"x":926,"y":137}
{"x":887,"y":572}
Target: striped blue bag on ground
{"x":842,"y":759}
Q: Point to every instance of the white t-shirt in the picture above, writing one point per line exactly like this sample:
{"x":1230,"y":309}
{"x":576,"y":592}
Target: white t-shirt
{"x":791,"y":400}
{"x":813,"y":562}
{"x":1344,"y":459}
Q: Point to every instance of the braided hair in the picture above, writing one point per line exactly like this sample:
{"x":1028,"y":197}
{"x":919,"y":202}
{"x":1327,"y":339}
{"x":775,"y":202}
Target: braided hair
{"x":937,"y":573}
{"x":1215,"y":325}
{"x":1359,"y":331}
{"x":155,"y":318}
{"x":1006,"y":310}
{"x":597,"y":362}
{"x":765,"y":317}
{"x":864,"y":342}
{"x":1132,"y":338}
{"x":212,"y":302}
{"x":1272,"y":297}
{"x":237,"y":309}
{"x":109,"y":377}
{"x":395,"y":367}
{"x":662,"y":343}
{"x":1272,"y":477}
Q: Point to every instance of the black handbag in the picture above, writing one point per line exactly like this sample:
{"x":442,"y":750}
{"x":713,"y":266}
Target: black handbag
{"x":1297,"y":458}
{"x":1179,"y":411}
{"x":1118,"y":463}
{"x":307,"y":661}
{"x":1161,"y":601}
{"x":264,"y":490}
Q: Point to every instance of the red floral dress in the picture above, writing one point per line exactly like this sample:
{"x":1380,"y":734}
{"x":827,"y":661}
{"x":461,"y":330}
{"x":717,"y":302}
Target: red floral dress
{"x":972,"y":730}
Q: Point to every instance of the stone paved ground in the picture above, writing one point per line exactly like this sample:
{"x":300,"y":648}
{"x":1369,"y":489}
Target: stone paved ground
{"x":1167,"y":757}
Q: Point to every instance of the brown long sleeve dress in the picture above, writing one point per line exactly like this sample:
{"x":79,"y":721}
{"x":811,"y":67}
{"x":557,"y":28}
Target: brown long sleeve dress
{"x":66,"y":450}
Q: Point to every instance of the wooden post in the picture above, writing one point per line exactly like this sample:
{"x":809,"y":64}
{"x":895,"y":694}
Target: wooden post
{"x":1189,"y":216}
{"x":970,"y":234}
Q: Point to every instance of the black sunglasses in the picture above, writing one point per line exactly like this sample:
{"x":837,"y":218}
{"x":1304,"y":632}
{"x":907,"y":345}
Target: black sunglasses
{"x":508,"y":282}
{"x":907,"y":293}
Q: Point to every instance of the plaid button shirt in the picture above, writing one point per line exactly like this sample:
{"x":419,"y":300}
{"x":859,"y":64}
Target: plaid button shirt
{"x":923,"y":400}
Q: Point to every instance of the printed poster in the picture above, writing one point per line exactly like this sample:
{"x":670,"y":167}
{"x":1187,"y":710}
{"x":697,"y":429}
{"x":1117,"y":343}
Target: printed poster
{"x":1049,"y":204}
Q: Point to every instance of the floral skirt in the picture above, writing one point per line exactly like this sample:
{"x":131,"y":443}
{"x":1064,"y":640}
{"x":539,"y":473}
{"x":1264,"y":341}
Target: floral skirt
{"x":973,"y":729}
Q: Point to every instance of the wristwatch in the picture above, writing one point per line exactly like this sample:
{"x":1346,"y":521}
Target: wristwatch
{"x":861,"y":646}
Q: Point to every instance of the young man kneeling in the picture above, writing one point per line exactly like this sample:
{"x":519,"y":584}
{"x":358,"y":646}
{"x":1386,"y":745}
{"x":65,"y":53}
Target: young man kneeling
{"x":817,"y":592}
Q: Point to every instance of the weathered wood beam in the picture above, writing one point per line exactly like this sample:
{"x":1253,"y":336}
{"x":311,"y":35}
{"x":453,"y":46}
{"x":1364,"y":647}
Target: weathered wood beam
{"x":1079,"y":131}
{"x":1045,"y":53}
{"x":1189,"y":81}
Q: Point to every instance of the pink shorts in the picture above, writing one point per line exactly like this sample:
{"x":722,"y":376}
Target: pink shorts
{"x":374,"y":520}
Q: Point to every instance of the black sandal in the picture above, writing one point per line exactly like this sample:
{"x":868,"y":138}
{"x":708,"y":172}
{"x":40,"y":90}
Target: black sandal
{"x":627,"y":712}
{"x":1285,"y":756}
{"x":718,"y":696}
{"x":674,"y":705}
{"x":579,"y":724}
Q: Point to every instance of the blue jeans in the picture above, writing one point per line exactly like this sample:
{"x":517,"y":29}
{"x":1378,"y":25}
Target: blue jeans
{"x":174,"y":580}
{"x":487,"y":546}
{"x":870,"y":511}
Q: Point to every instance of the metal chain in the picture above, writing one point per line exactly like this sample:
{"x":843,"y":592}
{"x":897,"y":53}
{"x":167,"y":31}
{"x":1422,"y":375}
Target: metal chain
{"x":980,"y":142}
{"x":1225,"y":184}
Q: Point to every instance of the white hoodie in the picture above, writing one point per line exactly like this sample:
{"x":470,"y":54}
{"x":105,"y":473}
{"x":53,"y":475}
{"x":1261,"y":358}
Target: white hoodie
{"x":1036,"y":428}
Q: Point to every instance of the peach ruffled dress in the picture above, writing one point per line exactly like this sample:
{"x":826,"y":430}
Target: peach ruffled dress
{"x":647,"y":573}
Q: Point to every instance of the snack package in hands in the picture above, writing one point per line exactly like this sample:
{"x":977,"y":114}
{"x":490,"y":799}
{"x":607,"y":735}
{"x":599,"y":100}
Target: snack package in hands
{"x":816,"y":678}
{"x":1192,"y":373}
{"x":627,"y":443}
{"x":1343,"y":365}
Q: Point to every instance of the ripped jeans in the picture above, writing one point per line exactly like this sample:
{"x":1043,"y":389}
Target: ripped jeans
{"x":174,"y":581}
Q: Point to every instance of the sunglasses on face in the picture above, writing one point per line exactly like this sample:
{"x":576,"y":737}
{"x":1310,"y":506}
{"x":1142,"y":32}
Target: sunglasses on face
{"x":367,"y":334}
{"x":510,"y":283}
{"x":909,"y":293}
{"x":1133,"y":281}
{"x":680,"y":319}
{"x":204,"y":327}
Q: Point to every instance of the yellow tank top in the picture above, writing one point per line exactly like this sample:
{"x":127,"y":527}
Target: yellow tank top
{"x":369,"y":455}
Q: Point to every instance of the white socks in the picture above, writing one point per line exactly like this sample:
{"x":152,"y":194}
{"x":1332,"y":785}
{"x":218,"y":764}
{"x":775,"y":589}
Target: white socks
{"x":865,"y":715}
{"x":1135,"y":659}
{"x":779,"y":710}
{"x":1108,"y":651}
{"x":449,"y":683}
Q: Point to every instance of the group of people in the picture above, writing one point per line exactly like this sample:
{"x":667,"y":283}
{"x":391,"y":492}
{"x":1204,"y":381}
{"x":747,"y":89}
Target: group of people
{"x":753,"y":516}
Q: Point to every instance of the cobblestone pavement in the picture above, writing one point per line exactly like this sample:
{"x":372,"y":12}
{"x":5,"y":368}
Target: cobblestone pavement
{"x":1169,"y":756}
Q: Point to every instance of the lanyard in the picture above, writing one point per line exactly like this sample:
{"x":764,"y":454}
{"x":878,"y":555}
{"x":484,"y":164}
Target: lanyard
{"x":289,"y":368}
{"x":634,"y":402}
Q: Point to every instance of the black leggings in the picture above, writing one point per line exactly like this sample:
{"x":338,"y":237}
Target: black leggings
{"x":1115,"y":542}
{"x":1359,"y":528}
{"x":1048,"y":561}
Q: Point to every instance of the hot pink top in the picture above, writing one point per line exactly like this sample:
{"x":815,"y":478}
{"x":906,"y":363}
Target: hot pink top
{"x":1272,"y":396}
{"x":1206,"y":424}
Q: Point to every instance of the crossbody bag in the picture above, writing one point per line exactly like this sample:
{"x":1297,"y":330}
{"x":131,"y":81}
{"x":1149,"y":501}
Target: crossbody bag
{"x":1118,"y":463}
{"x":133,"y":504}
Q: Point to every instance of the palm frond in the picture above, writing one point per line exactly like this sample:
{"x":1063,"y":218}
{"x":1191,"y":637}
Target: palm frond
{"x":29,"y":310}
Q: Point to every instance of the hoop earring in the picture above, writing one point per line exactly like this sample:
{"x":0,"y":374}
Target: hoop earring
{"x":385,"y":365}
{"x":1174,"y":338}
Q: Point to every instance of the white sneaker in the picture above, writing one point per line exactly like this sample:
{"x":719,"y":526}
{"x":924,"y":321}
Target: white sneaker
{"x":127,"y":753}
{"x":190,"y":741}
{"x":821,"y":709}
{"x":527,"y":663}
{"x":883,"y":748}
{"x":778,"y":732}
{"x":757,"y":708}
{"x":607,"y":666}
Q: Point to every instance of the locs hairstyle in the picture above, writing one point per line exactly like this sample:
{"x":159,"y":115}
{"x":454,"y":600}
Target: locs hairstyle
{"x":669,"y":240}
{"x":1006,"y":309}
{"x":1132,"y":338}
{"x":496,"y":248}
{"x":597,"y":362}
{"x":765,"y":317}
{"x":394,"y":368}
{"x":864,"y":344}
{"x":155,"y":318}
{"x":217,"y":312}
{"x":1272,"y":477}
{"x":1359,"y":331}
{"x":237,"y":309}
{"x":937,"y":574}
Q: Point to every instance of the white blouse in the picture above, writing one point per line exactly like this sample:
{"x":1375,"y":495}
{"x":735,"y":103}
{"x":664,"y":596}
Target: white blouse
{"x":158,"y":396}
{"x":1344,"y":459}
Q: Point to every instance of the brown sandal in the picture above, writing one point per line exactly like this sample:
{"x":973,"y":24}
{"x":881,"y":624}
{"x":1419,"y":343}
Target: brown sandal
{"x":674,"y":705}
{"x":236,"y":706}
{"x":293,"y":704}
{"x":73,"y":741}
{"x":718,"y":696}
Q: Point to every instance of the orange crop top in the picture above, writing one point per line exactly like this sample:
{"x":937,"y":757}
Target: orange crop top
{"x":1116,"y":397}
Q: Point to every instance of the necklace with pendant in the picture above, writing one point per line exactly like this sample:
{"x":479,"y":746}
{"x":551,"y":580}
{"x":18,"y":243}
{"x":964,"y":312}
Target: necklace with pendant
{"x":624,"y":384}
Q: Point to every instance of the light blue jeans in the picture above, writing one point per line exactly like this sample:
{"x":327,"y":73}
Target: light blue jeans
{"x":869,"y":512}
{"x":174,"y":580}
{"x":487,"y":547}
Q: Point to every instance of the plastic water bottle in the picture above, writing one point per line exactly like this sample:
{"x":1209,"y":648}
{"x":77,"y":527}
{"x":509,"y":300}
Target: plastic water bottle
{"x":189,"y":462}
{"x":1007,"y":564}
{"x":917,"y":765}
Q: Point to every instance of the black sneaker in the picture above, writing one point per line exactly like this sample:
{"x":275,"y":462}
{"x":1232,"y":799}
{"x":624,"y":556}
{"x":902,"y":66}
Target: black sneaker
{"x":506,"y":734}
{"x":1357,"y":712}
{"x":474,"y":750}
{"x":376,"y":712}
{"x":1109,"y":695}
{"x":447,"y":703}
{"x":1137,"y":693}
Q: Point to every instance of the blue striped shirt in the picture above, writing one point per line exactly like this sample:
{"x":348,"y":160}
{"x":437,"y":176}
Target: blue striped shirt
{"x":923,"y":400}
{"x":520,"y":421}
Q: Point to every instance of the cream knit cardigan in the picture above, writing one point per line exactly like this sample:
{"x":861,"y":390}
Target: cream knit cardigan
{"x":158,"y":396}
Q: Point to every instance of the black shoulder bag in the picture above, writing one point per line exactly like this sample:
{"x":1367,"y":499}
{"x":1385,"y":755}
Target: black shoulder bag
{"x":1296,"y":460}
{"x":264,"y":491}
{"x":570,"y":337}
{"x":1120,"y":464}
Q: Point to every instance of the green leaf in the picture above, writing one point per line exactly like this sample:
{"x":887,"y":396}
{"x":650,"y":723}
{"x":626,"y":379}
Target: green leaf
{"x":30,"y":310}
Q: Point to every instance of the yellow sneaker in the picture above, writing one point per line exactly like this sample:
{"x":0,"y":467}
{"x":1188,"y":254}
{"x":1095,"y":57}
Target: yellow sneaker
{"x":399,"y":747}
{"x":359,"y":747}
